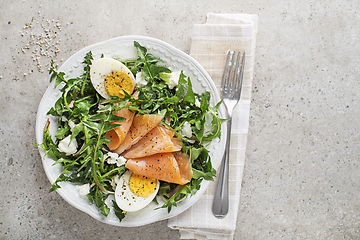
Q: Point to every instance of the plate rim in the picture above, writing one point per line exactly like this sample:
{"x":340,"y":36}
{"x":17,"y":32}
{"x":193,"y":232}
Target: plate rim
{"x":40,"y":116}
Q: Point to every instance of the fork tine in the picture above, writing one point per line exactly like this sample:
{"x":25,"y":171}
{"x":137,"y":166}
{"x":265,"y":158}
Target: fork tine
{"x":238,"y":88}
{"x":230,"y":83}
{"x":225,"y":76}
{"x":236,"y":82}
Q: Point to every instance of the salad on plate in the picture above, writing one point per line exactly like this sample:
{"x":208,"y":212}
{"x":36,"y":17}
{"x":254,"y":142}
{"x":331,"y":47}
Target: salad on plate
{"x":132,"y":131}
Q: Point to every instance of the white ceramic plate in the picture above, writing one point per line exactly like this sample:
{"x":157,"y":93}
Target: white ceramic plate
{"x":123,"y":47}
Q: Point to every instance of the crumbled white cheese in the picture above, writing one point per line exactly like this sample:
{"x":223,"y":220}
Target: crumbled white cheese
{"x":114,"y":181}
{"x":84,"y":189}
{"x":208,"y":122}
{"x":63,"y":118}
{"x":197,"y":103}
{"x":71,"y":125}
{"x":174,"y":79}
{"x":120,"y":161}
{"x":114,"y":158}
{"x":140,"y":80}
{"x":66,"y":147}
{"x":111,"y":157}
{"x":186,"y":130}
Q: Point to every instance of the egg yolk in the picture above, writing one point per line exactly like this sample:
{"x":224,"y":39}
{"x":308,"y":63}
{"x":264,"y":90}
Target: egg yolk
{"x":142,"y":186}
{"x":117,"y":82}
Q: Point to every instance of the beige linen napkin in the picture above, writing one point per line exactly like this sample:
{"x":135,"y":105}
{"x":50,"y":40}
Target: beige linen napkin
{"x":210,"y":43}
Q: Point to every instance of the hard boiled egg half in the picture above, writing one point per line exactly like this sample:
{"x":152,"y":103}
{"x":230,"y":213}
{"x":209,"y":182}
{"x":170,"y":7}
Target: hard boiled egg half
{"x":111,"y":78}
{"x":134,"y":192}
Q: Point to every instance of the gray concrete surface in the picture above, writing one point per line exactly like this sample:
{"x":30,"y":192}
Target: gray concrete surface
{"x":301,"y":177}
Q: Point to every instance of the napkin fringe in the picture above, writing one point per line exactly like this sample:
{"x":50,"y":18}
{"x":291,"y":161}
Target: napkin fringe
{"x":215,"y":226}
{"x":207,"y":231}
{"x":204,"y":235}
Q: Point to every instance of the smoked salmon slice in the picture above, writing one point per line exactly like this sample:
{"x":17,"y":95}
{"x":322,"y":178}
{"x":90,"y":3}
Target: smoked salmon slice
{"x":141,"y":125}
{"x":115,"y":140}
{"x":168,"y":167}
{"x":117,"y":135}
{"x":126,"y":144}
{"x":158,"y":140}
{"x":185,"y":168}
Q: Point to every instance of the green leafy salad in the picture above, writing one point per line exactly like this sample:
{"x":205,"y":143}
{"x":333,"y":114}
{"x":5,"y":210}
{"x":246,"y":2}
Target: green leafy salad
{"x":85,"y":118}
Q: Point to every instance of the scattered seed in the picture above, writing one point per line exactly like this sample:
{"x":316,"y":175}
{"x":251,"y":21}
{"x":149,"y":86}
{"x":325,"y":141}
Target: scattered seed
{"x":43,"y":42}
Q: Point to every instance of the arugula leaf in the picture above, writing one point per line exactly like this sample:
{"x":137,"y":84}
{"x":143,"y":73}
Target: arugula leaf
{"x":141,"y":51}
{"x":86,"y":76}
{"x":194,"y":153}
{"x":178,"y":196}
{"x":59,"y":77}
{"x":98,"y":197}
{"x":105,"y":116}
{"x":216,"y":122}
{"x":157,"y":70}
{"x":48,"y":144}
{"x":147,"y":63}
{"x":62,"y":178}
{"x":189,"y":97}
{"x":206,"y":175}
{"x":118,"y":212}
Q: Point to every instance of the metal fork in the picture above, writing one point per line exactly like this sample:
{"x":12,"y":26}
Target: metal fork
{"x":230,"y":93}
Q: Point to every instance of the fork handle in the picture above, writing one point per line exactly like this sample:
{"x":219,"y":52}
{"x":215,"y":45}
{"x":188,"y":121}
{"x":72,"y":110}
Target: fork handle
{"x":221,"y":199}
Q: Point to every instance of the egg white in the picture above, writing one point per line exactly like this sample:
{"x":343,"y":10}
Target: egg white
{"x":100,"y":68}
{"x":128,"y":201}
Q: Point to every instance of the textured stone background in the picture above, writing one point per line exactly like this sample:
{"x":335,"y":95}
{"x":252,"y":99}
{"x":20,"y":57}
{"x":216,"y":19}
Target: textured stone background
{"x":301,"y":176}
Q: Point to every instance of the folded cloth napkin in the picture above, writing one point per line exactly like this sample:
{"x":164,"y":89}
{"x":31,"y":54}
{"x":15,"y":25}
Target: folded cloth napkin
{"x":210,"y":43}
